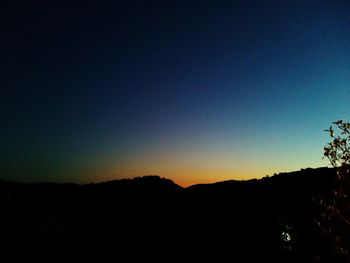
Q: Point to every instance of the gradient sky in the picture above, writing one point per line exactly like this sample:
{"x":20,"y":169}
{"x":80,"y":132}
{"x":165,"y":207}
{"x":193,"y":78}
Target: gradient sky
{"x":195,"y":91}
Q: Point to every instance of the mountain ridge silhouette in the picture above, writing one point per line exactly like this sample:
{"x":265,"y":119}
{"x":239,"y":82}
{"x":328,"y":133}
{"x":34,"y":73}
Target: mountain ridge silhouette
{"x":152,"y":219}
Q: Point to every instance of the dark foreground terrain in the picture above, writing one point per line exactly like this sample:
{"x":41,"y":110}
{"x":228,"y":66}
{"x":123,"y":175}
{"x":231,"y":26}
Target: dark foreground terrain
{"x":151,"y":219}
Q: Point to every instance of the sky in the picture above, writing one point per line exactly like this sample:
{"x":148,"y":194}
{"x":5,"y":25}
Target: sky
{"x":194,"y":91}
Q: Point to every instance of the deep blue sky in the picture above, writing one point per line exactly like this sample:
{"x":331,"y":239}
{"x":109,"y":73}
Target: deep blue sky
{"x":195,"y":91}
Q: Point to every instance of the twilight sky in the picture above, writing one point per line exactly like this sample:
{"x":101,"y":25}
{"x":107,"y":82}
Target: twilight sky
{"x":195,"y":91}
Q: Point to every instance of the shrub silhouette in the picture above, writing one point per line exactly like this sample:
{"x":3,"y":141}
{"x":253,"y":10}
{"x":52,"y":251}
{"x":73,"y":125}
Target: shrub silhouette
{"x":334,"y":218}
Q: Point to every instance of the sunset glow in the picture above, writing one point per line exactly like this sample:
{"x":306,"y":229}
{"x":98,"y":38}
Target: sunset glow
{"x":197,"y":93}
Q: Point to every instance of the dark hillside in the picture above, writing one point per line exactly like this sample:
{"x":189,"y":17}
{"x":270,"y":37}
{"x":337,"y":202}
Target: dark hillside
{"x":151,"y":219}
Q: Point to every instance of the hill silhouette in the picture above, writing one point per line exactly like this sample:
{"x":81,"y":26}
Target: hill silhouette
{"x":151,"y":219}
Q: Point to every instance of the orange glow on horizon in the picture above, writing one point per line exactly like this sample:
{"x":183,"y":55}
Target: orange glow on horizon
{"x":186,"y":177}
{"x":186,"y":171}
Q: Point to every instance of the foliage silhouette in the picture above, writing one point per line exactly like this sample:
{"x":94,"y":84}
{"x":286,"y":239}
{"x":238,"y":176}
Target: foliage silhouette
{"x":334,"y":220}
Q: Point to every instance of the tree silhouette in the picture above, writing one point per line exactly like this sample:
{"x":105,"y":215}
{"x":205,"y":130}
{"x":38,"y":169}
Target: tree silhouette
{"x":338,"y":150}
{"x":334,"y":218}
